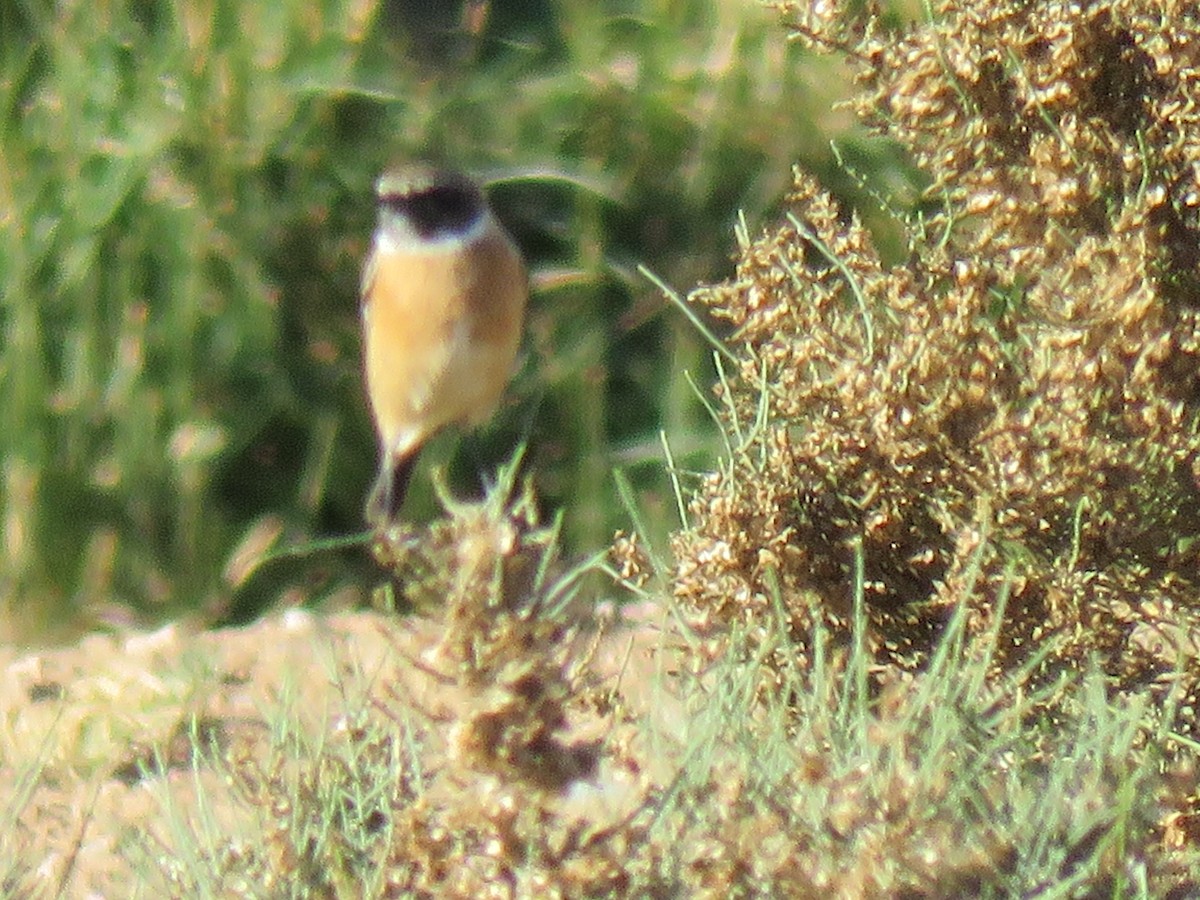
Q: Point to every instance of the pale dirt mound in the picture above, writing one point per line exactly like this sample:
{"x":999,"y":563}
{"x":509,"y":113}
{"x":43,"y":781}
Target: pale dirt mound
{"x":112,"y":722}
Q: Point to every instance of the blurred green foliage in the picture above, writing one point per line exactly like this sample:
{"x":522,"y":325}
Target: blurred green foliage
{"x":185,"y":202}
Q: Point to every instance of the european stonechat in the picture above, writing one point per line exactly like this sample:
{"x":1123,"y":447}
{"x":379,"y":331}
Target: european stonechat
{"x":443,"y":301}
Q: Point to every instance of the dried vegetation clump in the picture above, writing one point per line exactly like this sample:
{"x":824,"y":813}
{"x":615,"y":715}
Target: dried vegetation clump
{"x":486,"y":570}
{"x":1015,"y":408}
{"x":455,"y":782}
{"x":482,"y":815}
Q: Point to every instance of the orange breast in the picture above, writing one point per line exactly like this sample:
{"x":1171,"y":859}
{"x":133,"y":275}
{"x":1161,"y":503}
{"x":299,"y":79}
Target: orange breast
{"x":441,"y":332}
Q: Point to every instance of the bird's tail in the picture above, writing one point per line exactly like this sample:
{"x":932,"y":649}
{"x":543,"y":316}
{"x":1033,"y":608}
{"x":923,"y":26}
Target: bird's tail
{"x":391,"y":485}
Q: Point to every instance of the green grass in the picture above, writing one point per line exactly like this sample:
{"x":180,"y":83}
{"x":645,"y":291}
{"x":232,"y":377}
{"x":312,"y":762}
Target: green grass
{"x":186,"y":202}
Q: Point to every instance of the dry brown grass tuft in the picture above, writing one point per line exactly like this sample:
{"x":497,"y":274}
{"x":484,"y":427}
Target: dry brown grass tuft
{"x":498,"y":689}
{"x":489,"y":565}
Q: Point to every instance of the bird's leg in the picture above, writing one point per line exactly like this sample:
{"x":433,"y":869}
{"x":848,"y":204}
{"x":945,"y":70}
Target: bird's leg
{"x":391,"y":486}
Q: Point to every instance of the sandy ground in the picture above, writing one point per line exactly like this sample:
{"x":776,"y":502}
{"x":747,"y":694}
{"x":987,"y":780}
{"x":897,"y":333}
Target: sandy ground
{"x":96,"y":740}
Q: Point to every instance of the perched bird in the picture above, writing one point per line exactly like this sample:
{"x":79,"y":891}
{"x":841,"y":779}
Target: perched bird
{"x":443,"y":302}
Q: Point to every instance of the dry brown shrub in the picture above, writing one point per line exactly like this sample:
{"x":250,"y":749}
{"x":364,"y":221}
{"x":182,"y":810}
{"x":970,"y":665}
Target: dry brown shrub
{"x":1017,"y":402}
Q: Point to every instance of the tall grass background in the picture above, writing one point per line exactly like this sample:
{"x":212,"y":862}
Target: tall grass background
{"x":185,"y":203}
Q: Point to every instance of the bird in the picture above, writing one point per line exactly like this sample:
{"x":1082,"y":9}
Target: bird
{"x":444,"y":291}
